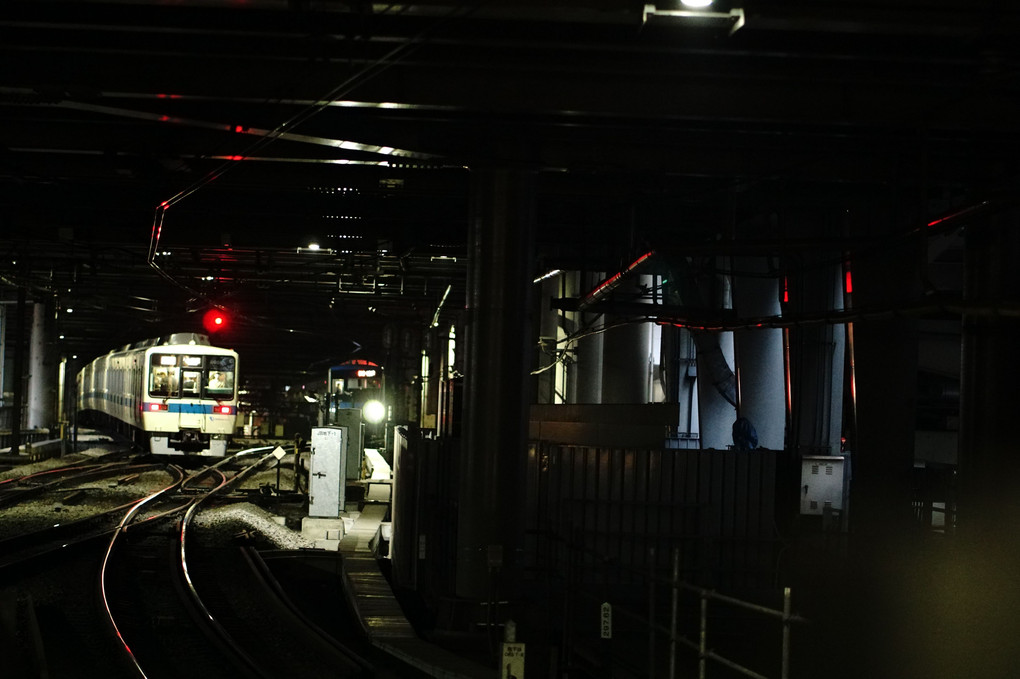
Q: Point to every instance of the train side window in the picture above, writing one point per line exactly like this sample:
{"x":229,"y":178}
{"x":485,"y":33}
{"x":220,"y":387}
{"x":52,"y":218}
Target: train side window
{"x":160,"y":385}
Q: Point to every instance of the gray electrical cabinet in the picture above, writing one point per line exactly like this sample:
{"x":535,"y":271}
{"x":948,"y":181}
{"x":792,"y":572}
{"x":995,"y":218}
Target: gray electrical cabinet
{"x":824,"y":481}
{"x":350,"y":418}
{"x":327,"y":467}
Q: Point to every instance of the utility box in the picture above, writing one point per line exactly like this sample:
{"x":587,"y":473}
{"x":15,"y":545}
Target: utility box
{"x":824,"y":482}
{"x":327,"y":467}
{"x":350,"y":418}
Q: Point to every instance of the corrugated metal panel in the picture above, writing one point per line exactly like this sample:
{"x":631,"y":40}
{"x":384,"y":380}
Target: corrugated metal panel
{"x":715,"y":506}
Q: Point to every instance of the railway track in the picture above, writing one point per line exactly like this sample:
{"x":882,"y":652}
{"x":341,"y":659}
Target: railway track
{"x":32,"y":486}
{"x":161,"y":624}
{"x":24,"y":549}
{"x":175,"y":597}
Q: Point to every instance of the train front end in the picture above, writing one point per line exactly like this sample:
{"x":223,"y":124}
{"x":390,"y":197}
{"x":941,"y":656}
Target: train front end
{"x":190,"y":399}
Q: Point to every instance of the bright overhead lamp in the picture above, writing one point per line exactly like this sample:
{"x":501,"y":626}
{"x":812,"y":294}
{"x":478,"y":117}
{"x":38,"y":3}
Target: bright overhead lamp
{"x":695,"y":11}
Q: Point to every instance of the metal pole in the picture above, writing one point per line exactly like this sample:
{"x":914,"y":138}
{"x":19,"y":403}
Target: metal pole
{"x":703,"y":636}
{"x":651,"y":611}
{"x":785,"y":671}
{"x":673,"y":613}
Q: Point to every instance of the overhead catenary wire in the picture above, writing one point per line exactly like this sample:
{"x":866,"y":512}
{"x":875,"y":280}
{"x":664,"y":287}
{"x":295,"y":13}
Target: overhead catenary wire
{"x":371,"y":70}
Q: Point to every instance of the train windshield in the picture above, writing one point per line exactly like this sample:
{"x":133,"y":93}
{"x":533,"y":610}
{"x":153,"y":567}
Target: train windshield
{"x":191,"y":376}
{"x":219,"y":376}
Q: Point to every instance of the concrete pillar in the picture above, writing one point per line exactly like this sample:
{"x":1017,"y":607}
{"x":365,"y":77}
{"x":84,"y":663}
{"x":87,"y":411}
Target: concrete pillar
{"x":18,"y":378}
{"x":492,"y":458}
{"x":759,"y":352}
{"x":715,"y":357}
{"x":42,"y":378}
{"x":589,"y":350}
{"x":627,"y":354}
{"x":626,"y":364}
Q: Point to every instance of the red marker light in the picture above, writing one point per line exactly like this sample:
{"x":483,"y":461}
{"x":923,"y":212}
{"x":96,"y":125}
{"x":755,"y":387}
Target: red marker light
{"x":849,"y":283}
{"x":214,"y":320}
{"x":224,"y":410}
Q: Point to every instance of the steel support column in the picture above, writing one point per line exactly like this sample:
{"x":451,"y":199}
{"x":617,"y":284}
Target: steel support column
{"x":817,"y":362}
{"x":977,"y":637}
{"x":885,"y":375}
{"x":990,"y":400}
{"x":492,"y":464}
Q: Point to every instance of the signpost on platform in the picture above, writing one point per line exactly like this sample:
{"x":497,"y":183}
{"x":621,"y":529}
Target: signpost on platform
{"x":511,"y":665}
{"x":607,"y":620}
{"x":606,"y":632}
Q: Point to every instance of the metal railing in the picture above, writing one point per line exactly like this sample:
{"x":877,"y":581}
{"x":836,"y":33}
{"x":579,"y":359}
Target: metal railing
{"x":696,"y":638}
{"x":705,"y":654}
{"x":25,"y":441}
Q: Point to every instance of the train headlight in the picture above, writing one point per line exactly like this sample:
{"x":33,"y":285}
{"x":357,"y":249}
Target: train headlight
{"x":373,"y":412}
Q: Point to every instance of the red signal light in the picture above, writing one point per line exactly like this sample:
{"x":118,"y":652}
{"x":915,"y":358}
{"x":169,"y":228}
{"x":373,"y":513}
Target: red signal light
{"x":214,"y":320}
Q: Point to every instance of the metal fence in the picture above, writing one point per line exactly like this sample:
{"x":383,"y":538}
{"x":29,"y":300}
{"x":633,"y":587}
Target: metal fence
{"x":678,"y":628}
{"x":27,"y":435}
{"x":718,"y":507}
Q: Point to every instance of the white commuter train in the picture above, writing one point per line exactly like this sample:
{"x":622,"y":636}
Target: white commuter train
{"x":176,"y":394}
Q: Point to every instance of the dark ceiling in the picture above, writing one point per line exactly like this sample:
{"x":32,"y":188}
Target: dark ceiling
{"x":265,"y":125}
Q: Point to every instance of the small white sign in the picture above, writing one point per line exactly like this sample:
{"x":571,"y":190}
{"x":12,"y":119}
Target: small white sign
{"x":512,"y":665}
{"x":607,"y":621}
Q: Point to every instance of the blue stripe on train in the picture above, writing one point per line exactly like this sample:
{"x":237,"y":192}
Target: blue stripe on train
{"x":172,"y":406}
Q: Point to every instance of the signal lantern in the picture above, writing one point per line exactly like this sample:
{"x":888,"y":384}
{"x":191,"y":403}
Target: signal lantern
{"x":214,"y":321}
